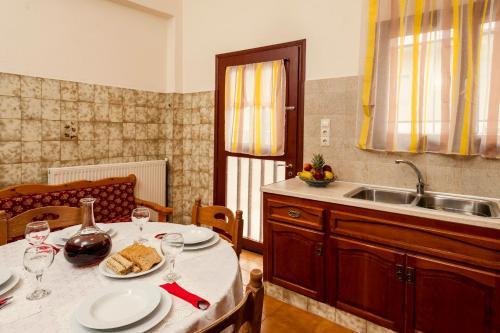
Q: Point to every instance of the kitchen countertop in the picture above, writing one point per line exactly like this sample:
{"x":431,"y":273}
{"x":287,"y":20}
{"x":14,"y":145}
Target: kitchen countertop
{"x":334,"y":193}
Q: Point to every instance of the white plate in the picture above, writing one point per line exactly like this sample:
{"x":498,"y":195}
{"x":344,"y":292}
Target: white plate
{"x":104,"y":270}
{"x":11,"y":283}
{"x":214,"y":240}
{"x":68,"y":232}
{"x":117,"y":306}
{"x":195,"y":235}
{"x":5,"y":274}
{"x":142,"y":325}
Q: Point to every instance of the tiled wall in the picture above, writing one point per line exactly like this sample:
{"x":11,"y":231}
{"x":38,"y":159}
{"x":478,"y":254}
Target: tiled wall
{"x":336,"y":99}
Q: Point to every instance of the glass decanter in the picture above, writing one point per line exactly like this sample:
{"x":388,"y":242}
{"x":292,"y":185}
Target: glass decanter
{"x":90,"y":245}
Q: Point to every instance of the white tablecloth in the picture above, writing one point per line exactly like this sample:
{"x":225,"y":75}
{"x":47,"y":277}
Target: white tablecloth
{"x":212,"y":273}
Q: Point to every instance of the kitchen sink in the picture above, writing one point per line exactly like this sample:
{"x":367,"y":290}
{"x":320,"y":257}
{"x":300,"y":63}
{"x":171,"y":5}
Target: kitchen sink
{"x":459,"y":205}
{"x":383,"y":195}
{"x":442,"y":202}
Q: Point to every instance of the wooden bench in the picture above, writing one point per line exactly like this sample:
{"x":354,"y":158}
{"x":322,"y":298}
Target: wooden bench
{"x":115,"y":198}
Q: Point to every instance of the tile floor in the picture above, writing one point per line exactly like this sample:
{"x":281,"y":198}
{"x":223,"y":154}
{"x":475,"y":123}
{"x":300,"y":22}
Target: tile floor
{"x":280,"y":317}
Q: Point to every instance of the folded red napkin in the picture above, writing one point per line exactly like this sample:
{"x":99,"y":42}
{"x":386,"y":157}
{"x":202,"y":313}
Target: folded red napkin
{"x":160,"y":236}
{"x":176,"y":290}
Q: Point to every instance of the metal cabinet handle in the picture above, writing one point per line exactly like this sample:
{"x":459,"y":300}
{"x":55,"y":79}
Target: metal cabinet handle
{"x":319,"y":249}
{"x":293,"y":213}
{"x":410,"y":274}
{"x":400,"y":272}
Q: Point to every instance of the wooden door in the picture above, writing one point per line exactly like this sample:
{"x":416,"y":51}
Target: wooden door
{"x":367,"y":280}
{"x":450,"y":298}
{"x":247,"y":173}
{"x":295,"y":258}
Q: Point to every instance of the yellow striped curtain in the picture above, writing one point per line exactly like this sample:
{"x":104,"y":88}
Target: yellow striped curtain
{"x":255,"y":109}
{"x":431,"y":77}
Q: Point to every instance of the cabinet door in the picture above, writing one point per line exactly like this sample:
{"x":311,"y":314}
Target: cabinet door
{"x":296,"y":258}
{"x":449,"y":298}
{"x":367,"y":280}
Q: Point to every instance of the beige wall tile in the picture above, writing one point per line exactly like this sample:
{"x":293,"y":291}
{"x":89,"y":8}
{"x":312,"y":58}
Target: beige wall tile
{"x":101,"y":131}
{"x":115,"y":131}
{"x":51,"y":129}
{"x":128,"y":147}
{"x":51,"y":89}
{"x":141,"y":131}
{"x":101,"y":94}
{"x":129,"y":113}
{"x":69,"y":130}
{"x":69,"y":91}
{"x":350,"y":321}
{"x":10,"y":84}
{"x":31,"y":130}
{"x":51,"y":109}
{"x":86,"y":92}
{"x":85,"y":111}
{"x":140,"y":114}
{"x":140,"y":98}
{"x":51,"y":151}
{"x":115,"y":148}
{"x":101,"y":150}
{"x":10,"y":174}
{"x":69,"y":150}
{"x":31,"y":151}
{"x":86,"y":149}
{"x":10,"y":152}
{"x":372,"y":328}
{"x":101,"y":112}
{"x":85,"y":130}
{"x":31,"y":108}
{"x":115,"y":95}
{"x":31,"y":87}
{"x":128,"y":97}
{"x":31,"y":173}
{"x":152,"y":131}
{"x":10,"y":107}
{"x":129,"y":131}
{"x":69,"y":110}
{"x":115,"y":113}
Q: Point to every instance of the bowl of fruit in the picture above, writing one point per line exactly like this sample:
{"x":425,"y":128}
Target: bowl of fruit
{"x":317,"y":173}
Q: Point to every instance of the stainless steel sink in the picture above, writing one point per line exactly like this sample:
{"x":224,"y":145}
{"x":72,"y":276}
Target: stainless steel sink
{"x":442,"y":202}
{"x":383,"y":195}
{"x":465,"y":206}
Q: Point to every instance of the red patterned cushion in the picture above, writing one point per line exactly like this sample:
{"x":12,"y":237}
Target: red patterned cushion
{"x":114,"y":203}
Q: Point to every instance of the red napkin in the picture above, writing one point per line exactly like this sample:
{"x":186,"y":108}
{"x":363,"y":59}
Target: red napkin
{"x":176,"y":290}
{"x":160,"y":236}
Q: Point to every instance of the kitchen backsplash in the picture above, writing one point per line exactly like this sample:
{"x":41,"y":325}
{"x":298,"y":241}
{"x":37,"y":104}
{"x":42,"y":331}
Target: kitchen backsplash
{"x":50,"y":123}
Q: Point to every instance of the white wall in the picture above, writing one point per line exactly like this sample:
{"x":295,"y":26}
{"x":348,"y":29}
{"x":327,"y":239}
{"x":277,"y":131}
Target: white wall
{"x":95,"y":41}
{"x":331,"y":27}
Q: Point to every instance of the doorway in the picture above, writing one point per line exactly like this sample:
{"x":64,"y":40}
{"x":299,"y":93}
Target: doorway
{"x":238,"y":177}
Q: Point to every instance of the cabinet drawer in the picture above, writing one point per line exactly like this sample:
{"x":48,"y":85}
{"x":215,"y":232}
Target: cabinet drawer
{"x":294,"y":213}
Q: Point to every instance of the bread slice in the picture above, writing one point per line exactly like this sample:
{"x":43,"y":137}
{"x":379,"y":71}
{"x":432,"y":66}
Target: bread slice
{"x":144,"y":257}
{"x":115,"y":266}
{"x":124,"y":262}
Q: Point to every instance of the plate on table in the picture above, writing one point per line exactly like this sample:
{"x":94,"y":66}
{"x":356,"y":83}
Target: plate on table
{"x":104,"y":270}
{"x":116,"y":306}
{"x":68,"y":232}
{"x":214,"y":240}
{"x":195,"y":235}
{"x":142,"y":325}
{"x":5,"y":274}
{"x":9,"y":284}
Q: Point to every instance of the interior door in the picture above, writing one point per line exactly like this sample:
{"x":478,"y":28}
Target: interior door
{"x":238,"y":177}
{"x":450,"y":298}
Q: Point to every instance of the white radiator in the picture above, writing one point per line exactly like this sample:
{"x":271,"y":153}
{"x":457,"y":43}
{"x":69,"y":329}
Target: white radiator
{"x":151,"y":176}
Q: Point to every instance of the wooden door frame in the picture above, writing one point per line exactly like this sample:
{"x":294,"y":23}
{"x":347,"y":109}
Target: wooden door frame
{"x":272,"y":52}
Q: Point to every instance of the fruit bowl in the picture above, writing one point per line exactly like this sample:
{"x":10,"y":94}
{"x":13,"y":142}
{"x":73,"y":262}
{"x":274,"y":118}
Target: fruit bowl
{"x":318,"y":183}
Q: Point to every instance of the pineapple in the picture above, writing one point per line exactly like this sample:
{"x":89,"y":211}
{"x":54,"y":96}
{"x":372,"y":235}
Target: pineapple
{"x":317,"y":163}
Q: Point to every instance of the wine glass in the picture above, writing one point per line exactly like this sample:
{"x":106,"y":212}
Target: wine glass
{"x":36,"y":260}
{"x":140,"y":216}
{"x":37,"y":232}
{"x":171,"y":246}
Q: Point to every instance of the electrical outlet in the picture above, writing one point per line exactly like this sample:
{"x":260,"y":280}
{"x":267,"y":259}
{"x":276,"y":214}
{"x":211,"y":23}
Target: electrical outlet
{"x":325,"y":141}
{"x":325,"y":132}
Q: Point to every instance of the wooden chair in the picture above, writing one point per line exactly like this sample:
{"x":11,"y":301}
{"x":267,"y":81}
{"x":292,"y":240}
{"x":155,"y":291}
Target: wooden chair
{"x":229,"y":226}
{"x":58,"y":217}
{"x":248,"y":312}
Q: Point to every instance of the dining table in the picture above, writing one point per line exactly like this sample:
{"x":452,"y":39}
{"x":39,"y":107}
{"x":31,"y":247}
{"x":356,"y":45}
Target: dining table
{"x":212,"y":273}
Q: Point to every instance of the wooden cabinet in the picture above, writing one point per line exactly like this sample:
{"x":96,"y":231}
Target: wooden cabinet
{"x":406,"y":273}
{"x":367,"y":280}
{"x":297,"y":259}
{"x":450,"y":298}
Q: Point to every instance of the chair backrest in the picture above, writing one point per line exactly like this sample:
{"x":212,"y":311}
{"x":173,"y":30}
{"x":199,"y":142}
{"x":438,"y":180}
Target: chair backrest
{"x":57,"y":216}
{"x":248,"y":312}
{"x":222,"y":219}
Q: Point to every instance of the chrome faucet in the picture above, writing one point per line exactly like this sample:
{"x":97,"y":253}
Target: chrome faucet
{"x":420,"y":184}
